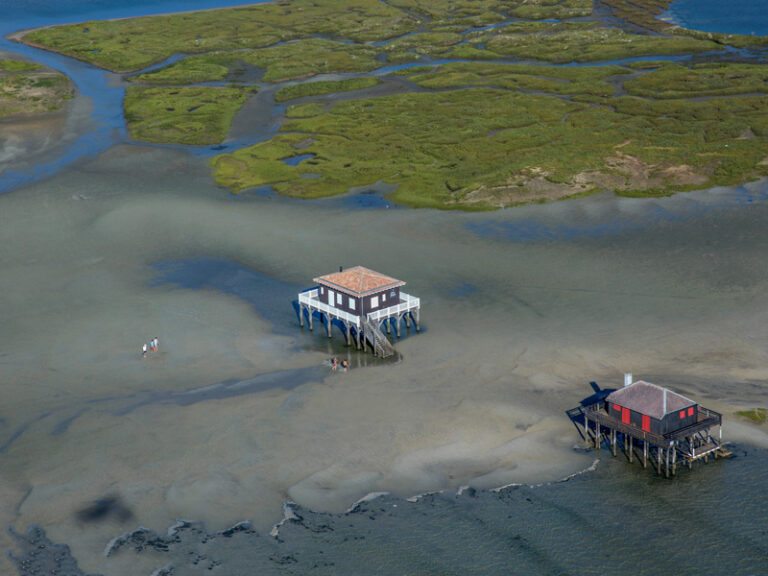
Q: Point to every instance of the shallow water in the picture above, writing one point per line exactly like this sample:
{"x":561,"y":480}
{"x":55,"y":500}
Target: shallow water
{"x":748,"y":17}
{"x":238,"y":413}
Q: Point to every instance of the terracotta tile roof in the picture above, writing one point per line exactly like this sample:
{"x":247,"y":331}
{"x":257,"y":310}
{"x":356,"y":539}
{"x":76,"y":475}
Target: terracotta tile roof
{"x":648,"y":398}
{"x":359,"y":281}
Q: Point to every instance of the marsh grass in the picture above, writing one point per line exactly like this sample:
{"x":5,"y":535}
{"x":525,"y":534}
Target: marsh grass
{"x":710,"y":79}
{"x":132,"y":44}
{"x":484,"y":134}
{"x":12,"y":65}
{"x":186,"y":115}
{"x":306,"y":89}
{"x":571,"y":81}
{"x":24,"y":93}
{"x":297,"y":59}
{"x":445,"y":149}
{"x":756,"y":415}
{"x":597,"y":44}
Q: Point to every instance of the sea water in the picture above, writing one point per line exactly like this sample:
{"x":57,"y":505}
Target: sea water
{"x":748,"y":17}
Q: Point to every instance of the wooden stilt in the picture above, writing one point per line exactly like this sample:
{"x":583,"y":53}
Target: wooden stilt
{"x":301,"y":316}
{"x":586,"y":427}
{"x":674,"y":459}
{"x":347,"y":333}
{"x":397,"y":326}
{"x":645,"y":454}
{"x":666,"y":462}
{"x":613,"y":442}
{"x":631,"y":448}
{"x":658,"y":460}
{"x":328,"y":324}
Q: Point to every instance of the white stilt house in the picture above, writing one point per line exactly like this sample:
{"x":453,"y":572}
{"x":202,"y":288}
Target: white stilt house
{"x":361,"y":301}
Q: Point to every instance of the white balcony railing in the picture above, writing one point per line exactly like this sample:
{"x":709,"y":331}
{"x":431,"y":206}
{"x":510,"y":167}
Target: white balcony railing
{"x":309,"y":298}
{"x":406,"y":304}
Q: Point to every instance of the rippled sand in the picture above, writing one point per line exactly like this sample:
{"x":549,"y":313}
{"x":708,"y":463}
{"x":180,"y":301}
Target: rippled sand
{"x":237,"y":413}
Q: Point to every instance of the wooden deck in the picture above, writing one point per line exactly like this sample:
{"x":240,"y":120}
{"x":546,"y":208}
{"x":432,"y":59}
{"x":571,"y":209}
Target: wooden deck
{"x":683,"y":446}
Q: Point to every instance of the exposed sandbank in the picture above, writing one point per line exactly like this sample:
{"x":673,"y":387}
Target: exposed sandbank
{"x":521,"y":310}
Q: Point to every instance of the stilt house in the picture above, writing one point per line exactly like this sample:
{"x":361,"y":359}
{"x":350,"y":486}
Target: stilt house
{"x":360,"y":300}
{"x":652,"y":408}
{"x":667,"y":426}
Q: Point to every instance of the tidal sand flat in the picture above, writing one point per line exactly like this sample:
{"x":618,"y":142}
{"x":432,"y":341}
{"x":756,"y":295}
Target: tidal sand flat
{"x":521,"y":309}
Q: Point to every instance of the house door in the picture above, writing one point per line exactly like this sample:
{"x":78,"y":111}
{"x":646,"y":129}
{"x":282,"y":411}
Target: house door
{"x":624,"y":415}
{"x":646,"y":423}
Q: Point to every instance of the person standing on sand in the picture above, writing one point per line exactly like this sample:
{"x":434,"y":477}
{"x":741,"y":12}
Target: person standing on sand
{"x":144,"y":350}
{"x":155,"y":344}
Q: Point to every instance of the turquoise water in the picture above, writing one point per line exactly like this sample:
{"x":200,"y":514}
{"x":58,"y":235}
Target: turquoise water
{"x":732,"y":17}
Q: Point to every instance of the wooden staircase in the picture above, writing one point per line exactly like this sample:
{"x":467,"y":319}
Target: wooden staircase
{"x":381,"y":345}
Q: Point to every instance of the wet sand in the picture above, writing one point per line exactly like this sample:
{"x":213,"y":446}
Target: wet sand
{"x":237,"y":413}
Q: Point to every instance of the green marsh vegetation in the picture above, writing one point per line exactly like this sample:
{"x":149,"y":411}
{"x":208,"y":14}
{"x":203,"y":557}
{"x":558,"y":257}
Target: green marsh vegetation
{"x":594,"y":44}
{"x":487,"y":132}
{"x":306,"y":89}
{"x":182,"y":115}
{"x":298,"y":59}
{"x":711,"y":79}
{"x":7,"y":65}
{"x":133,"y":44}
{"x":27,"y":89}
{"x":756,"y":415}
{"x":498,"y":147}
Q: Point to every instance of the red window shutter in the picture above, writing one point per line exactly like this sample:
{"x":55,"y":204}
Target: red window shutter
{"x":682,"y":414}
{"x":690,"y":411}
{"x":616,"y":407}
{"x":646,"y":423}
{"x":625,"y":415}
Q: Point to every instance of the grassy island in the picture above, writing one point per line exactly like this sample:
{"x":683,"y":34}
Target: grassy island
{"x":27,"y":89}
{"x":497,"y":113}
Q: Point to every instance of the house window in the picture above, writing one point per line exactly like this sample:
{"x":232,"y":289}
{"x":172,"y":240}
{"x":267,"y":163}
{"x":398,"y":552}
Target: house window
{"x":322,"y":290}
{"x":625,"y":415}
{"x":690,"y":411}
{"x":392,"y":294}
{"x":616,"y":407}
{"x":339,"y":299}
{"x":383,"y":297}
{"x":682,"y":414}
{"x":351,"y":303}
{"x":646,"y":423}
{"x":374,"y":301}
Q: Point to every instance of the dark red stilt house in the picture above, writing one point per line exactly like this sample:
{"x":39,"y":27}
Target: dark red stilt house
{"x":652,"y":408}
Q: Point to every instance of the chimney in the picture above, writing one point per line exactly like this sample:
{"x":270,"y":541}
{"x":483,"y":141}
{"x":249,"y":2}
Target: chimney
{"x":627,"y":379}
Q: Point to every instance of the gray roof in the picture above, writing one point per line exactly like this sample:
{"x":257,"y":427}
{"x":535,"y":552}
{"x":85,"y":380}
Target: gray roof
{"x":648,"y":398}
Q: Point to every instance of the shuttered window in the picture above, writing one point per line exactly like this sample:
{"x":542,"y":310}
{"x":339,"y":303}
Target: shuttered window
{"x":690,"y":411}
{"x":682,"y":414}
{"x":625,"y":415}
{"x":646,"y":423}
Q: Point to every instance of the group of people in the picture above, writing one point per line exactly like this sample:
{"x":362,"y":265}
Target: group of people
{"x":154,"y":346}
{"x":335,"y":364}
